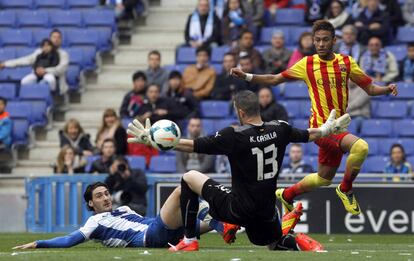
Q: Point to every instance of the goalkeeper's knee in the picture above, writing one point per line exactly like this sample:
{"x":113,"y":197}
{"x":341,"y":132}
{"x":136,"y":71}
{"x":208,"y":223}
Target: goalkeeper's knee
{"x":314,"y":180}
{"x":358,"y":153}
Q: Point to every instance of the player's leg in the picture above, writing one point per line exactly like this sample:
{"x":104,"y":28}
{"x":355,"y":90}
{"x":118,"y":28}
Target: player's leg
{"x":358,"y":151}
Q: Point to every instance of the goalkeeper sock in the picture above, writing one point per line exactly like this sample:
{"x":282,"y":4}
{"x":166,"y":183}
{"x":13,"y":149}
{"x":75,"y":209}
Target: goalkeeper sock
{"x":357,"y":156}
{"x":189,"y":210}
{"x":308,"y":183}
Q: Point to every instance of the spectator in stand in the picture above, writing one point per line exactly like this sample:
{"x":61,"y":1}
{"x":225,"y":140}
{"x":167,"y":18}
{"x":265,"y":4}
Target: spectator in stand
{"x":6,"y":125}
{"x":393,"y":9}
{"x":103,"y":164}
{"x":349,"y":44}
{"x":246,"y":48}
{"x":124,"y":9}
{"x":379,"y":63}
{"x":194,"y":161}
{"x":134,"y":99}
{"x":276,"y":58}
{"x":58,"y":71}
{"x":271,"y":7}
{"x":111,"y":128}
{"x":398,"y":163}
{"x":203,"y":27}
{"x":74,"y":136}
{"x":373,"y":22}
{"x":184,"y":102}
{"x":234,"y":22}
{"x":157,"y":108}
{"x":68,"y":162}
{"x":254,"y":9}
{"x":358,"y":7}
{"x":225,"y":85}
{"x":155,"y":74}
{"x":407,"y":65}
{"x":127,"y":186}
{"x":200,"y":77}
{"x":338,"y":16}
{"x":359,"y":104}
{"x":270,"y":110}
{"x":305,"y":48}
{"x":316,"y":10}
{"x":246,"y":64}
{"x":408,"y":12}
{"x":296,"y":164}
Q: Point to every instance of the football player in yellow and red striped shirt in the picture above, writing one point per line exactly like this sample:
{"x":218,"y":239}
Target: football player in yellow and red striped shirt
{"x":327,"y":75}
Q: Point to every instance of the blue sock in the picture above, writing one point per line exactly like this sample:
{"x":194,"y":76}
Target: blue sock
{"x":216,"y":225}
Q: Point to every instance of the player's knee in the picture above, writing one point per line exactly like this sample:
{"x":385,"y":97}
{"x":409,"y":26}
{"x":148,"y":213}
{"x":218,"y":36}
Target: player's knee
{"x":188,"y":175}
{"x":360,"y":148}
{"x":177,"y":191}
{"x":323,"y":182}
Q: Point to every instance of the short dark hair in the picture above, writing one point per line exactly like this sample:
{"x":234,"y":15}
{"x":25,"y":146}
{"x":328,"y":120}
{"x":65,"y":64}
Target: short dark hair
{"x":175,"y":74}
{"x":397,"y":145}
{"x":203,"y":49}
{"x":410,"y":44}
{"x":46,"y":40}
{"x":139,"y":75}
{"x":87,"y":196}
{"x":246,"y":32}
{"x":245,"y":57}
{"x":248,"y":102}
{"x":4,"y":100}
{"x":55,"y":30}
{"x":323,"y":25}
{"x":156,"y":52}
{"x":108,"y":140}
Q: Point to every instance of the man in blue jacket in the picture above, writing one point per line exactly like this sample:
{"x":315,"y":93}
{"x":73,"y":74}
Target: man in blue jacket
{"x":5,"y":125}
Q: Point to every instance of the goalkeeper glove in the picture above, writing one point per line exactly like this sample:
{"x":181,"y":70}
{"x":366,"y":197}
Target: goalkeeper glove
{"x":139,"y":133}
{"x":335,"y":126}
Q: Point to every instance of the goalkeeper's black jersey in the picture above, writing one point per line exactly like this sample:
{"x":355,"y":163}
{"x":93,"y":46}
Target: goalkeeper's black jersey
{"x":255,"y":154}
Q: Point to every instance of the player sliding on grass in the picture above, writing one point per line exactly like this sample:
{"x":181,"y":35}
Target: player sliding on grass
{"x":326,"y":75}
{"x":123,"y":227}
{"x":255,"y":151}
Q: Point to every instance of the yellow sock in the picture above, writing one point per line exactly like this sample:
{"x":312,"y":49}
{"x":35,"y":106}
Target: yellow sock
{"x":357,"y":156}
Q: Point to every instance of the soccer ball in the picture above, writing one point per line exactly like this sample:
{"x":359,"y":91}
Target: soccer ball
{"x":164,"y":135}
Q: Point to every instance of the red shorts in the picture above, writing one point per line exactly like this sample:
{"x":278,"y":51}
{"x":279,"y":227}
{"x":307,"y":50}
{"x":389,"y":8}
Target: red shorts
{"x":330,"y":153}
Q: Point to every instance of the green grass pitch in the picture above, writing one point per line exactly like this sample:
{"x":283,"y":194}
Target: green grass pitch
{"x":339,"y":247}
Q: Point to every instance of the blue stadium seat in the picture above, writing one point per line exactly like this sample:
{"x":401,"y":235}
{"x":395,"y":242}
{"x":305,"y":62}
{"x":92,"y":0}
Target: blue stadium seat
{"x":375,"y":164}
{"x":125,"y":122}
{"x":72,"y":77}
{"x":376,"y":128}
{"x":75,"y":55}
{"x":104,"y":38}
{"x":399,"y":51}
{"x":224,"y":123}
{"x":306,"y":109}
{"x":341,"y":168}
{"x":290,"y":16}
{"x":23,"y":51}
{"x":136,"y":162}
{"x":217,"y":53}
{"x":267,"y":32}
{"x":186,"y":55}
{"x":405,"y":90}
{"x":7,"y":18}
{"x":404,"y":128}
{"x":412,"y":112}
{"x":99,"y":17}
{"x":39,"y":110}
{"x":311,"y":149}
{"x":293,"y":108}
{"x":72,"y":18}
{"x":41,"y":33}
{"x":50,"y":4}
{"x":20,"y":110}
{"x":411,"y":160}
{"x":15,"y":74}
{"x":89,"y":161}
{"x":296,"y":90}
{"x":208,"y":126}
{"x":297,"y":2}
{"x":82,"y":37}
{"x":295,"y":33}
{"x":163,"y":164}
{"x":20,"y":132}
{"x":405,"y":34}
{"x":39,"y":91}
{"x":353,"y":127}
{"x":218,"y":67}
{"x":373,"y":146}
{"x":262,"y":48}
{"x":175,"y":67}
{"x":82,"y":3}
{"x":311,"y":160}
{"x":89,"y":57}
{"x":300,"y":123}
{"x":214,"y":109}
{"x":392,"y":110}
{"x":8,"y":91}
{"x":7,"y":54}
{"x":33,"y":18}
{"x":7,"y":4}
{"x":385,"y":145}
{"x":22,"y":37}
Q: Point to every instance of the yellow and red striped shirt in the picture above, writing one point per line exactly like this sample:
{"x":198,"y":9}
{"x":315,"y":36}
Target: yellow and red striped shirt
{"x":327,"y":83}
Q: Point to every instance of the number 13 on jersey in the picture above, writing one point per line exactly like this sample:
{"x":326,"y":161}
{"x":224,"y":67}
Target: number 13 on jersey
{"x":261,"y":161}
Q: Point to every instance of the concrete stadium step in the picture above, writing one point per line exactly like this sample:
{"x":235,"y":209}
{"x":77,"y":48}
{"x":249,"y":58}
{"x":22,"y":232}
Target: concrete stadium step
{"x":44,"y":153}
{"x":35,"y":163}
{"x":119,"y":75}
{"x":32,"y":171}
{"x":82,"y":116}
{"x":137,"y":57}
{"x":168,"y":17}
{"x":159,"y":40}
{"x":53,"y":135}
{"x":100,"y":99}
{"x":187,"y":4}
{"x":100,"y":87}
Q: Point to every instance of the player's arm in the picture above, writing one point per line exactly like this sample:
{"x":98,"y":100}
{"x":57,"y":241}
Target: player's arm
{"x":185,"y":145}
{"x":70,"y":240}
{"x":264,"y":79}
{"x":376,"y":90}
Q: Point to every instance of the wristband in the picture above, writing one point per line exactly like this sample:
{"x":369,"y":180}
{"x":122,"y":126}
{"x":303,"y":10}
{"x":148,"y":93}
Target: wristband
{"x":248,"y":77}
